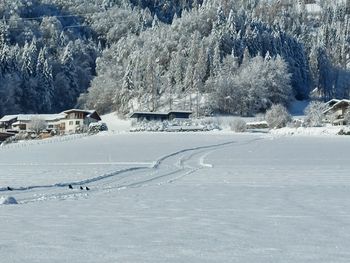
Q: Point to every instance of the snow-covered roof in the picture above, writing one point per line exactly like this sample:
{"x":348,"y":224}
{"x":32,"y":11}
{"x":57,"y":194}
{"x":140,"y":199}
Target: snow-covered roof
{"x":332,"y":101}
{"x":88,"y":113}
{"x":16,"y":123}
{"x":45,"y":117}
{"x":336,"y":105}
{"x":8,"y":118}
{"x":79,"y":110}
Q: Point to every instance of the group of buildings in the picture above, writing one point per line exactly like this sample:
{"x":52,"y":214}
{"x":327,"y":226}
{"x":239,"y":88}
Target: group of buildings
{"x":74,"y":120}
{"x":66,"y":122}
{"x":70,"y":121}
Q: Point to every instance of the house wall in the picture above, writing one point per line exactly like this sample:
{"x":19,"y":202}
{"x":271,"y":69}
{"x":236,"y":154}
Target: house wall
{"x":74,"y":120}
{"x":22,"y":126}
{"x":75,"y":115}
{"x":71,"y":125}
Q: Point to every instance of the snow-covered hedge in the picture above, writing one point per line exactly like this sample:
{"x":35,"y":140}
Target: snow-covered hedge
{"x":176,"y":125}
{"x":96,"y":127}
{"x":238,"y":125}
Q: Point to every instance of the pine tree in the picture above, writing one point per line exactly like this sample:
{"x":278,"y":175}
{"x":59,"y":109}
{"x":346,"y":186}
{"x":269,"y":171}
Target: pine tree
{"x":45,"y":83}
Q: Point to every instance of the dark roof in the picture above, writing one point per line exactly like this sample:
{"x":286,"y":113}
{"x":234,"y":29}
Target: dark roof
{"x":89,"y":113}
{"x":94,"y":115}
{"x":7,"y":118}
{"x":161,"y":114}
{"x":180,"y":111}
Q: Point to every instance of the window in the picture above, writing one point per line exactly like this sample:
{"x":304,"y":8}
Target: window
{"x":71,"y":123}
{"x":77,"y":123}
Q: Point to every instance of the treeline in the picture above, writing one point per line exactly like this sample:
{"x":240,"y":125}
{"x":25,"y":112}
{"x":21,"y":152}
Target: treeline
{"x":198,"y":61}
{"x":46,"y":59}
{"x":226,"y":56}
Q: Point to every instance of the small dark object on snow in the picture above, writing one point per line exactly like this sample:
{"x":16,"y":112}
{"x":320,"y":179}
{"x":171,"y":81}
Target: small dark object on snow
{"x":70,"y":186}
{"x":81,"y":188}
{"x":87,"y":188}
{"x":9,"y":188}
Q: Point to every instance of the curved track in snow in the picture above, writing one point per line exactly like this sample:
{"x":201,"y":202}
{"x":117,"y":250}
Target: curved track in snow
{"x":167,"y":169}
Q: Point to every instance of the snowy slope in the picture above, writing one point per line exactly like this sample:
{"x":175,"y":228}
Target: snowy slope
{"x":115,"y":124}
{"x":206,"y":197}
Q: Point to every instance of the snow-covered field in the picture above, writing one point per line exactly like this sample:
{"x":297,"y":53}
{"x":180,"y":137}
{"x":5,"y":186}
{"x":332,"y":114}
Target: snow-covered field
{"x":177,"y":197}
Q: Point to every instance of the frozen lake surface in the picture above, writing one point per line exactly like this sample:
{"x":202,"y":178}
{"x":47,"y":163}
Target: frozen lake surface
{"x":189,"y":197}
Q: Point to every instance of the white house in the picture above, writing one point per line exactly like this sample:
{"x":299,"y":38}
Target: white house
{"x":75,"y":119}
{"x":24,"y":121}
{"x":69,"y":121}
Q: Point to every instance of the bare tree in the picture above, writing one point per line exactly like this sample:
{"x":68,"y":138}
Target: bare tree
{"x":277,"y":116}
{"x":314,"y":114}
{"x":37,"y":125}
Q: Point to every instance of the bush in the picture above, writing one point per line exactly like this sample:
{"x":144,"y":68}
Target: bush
{"x":96,"y":127}
{"x":206,"y":124}
{"x":277,"y":116}
{"x":296,"y":123}
{"x":314,"y":114}
{"x":238,"y":125}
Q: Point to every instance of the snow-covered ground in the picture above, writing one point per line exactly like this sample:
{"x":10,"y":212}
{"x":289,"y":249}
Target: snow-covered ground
{"x":115,"y":123}
{"x":177,"y":197}
{"x":309,"y":131}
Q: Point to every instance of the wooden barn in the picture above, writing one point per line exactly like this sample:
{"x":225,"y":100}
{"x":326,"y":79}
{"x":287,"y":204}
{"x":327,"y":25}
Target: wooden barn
{"x":160,"y":116}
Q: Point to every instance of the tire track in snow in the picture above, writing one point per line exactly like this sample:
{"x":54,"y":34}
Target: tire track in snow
{"x":128,"y":173}
{"x":179,"y":163}
{"x":83,"y":182}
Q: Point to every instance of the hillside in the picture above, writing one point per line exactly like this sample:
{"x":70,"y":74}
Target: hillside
{"x":151,"y":55}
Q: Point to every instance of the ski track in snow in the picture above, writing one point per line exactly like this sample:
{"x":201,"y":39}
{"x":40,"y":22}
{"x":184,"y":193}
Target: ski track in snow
{"x":167,"y":169}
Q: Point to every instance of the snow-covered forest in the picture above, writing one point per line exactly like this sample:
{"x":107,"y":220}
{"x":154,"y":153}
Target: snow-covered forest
{"x":237,"y":57}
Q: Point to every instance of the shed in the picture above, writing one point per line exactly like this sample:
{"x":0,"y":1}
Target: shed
{"x":149,"y":116}
{"x":160,"y":116}
{"x":179,"y":114}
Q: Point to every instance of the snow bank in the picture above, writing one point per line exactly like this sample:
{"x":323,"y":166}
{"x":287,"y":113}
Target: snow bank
{"x":309,"y":131}
{"x":176,"y":125}
{"x":8,"y":200}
